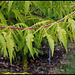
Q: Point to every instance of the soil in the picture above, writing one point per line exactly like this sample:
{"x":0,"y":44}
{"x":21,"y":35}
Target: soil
{"x":39,"y":65}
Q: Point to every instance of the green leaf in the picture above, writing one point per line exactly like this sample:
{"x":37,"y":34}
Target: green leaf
{"x":38,"y":38}
{"x":20,"y":17}
{"x":38,"y":4}
{"x":71,"y":36}
{"x":51,"y":41}
{"x":3,"y":20}
{"x":2,"y":41}
{"x":72,"y":22}
{"x":29,"y":40}
{"x":36,"y":51}
{"x":15,"y":36}
{"x":25,"y":50}
{"x":10,"y":46}
{"x":3,"y":5}
{"x":9,"y":5}
{"x":62,"y":36}
{"x":27,"y":3}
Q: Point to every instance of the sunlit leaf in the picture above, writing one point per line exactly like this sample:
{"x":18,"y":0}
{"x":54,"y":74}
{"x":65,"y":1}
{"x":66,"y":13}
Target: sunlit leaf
{"x":3,"y":20}
{"x":9,"y":5}
{"x":62,"y":36}
{"x":51,"y":42}
{"x":2,"y":41}
{"x":27,"y":3}
{"x":20,"y":17}
{"x":29,"y":40}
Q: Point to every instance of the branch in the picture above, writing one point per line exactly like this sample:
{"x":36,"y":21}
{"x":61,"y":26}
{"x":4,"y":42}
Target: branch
{"x":39,"y":27}
{"x":35,"y":9}
{"x":39,"y":15}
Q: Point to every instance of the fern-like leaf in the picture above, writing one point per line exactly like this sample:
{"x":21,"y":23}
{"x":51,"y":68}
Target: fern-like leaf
{"x":62,"y":36}
{"x":72,"y":22}
{"x":29,"y":39}
{"x":10,"y":45}
{"x":9,"y":5}
{"x":2,"y":41}
{"x":25,"y":50}
{"x":38,"y":38}
{"x":27,"y":3}
{"x":3,"y":19}
{"x":17,"y":13}
{"x":51,"y":41}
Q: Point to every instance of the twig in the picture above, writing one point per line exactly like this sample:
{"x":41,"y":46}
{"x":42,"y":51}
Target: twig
{"x":9,"y":20}
{"x":1,"y":63}
{"x":39,"y":15}
{"x":35,"y":9}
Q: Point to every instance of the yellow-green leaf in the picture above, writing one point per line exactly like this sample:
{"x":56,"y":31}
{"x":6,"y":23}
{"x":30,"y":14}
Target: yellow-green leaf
{"x":10,"y":46}
{"x":51,"y":42}
{"x":25,"y":50}
{"x":72,"y":22}
{"x":27,"y":3}
{"x":29,"y":40}
{"x":62,"y":36}
{"x":2,"y":41}
{"x":3,"y":20}
{"x":9,"y":5}
{"x":20,"y":17}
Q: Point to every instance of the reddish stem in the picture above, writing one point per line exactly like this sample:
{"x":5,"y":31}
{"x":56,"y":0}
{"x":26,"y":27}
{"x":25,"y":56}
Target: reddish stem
{"x":38,"y":27}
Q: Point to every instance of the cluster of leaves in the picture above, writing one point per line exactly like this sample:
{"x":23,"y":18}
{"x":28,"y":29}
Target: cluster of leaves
{"x":21,"y":14}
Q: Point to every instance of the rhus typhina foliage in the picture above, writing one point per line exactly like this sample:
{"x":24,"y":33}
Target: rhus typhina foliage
{"x":24,"y":25}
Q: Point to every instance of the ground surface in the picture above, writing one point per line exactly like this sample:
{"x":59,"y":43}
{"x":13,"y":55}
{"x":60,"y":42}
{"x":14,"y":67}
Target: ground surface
{"x":40,"y":65}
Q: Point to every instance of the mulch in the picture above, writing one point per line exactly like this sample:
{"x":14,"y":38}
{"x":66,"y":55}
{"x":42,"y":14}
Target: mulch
{"x":38,"y":66}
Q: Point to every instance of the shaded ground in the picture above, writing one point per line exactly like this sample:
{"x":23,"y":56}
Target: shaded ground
{"x":39,"y":65}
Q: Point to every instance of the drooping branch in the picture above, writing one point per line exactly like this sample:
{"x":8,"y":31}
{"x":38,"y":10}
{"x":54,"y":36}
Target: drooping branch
{"x":38,"y":27}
